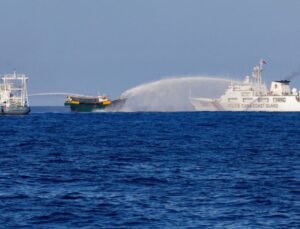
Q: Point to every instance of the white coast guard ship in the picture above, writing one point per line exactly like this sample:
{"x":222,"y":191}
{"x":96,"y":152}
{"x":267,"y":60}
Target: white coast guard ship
{"x":13,"y":95}
{"x":253,"y":95}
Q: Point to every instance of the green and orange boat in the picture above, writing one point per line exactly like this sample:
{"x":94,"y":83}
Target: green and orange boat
{"x":94,"y":103}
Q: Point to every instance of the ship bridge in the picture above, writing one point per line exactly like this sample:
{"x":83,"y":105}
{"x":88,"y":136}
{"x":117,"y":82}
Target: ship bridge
{"x":280,"y":87}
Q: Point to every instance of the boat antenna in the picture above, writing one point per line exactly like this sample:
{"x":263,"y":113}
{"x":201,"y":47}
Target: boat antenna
{"x":257,"y":74}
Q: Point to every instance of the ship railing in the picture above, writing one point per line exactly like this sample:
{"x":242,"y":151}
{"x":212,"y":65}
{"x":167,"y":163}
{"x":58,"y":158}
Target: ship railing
{"x":15,"y":103}
{"x":16,"y":88}
{"x":14,"y":77}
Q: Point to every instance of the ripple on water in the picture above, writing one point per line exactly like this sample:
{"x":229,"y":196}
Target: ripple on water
{"x":150,"y":170}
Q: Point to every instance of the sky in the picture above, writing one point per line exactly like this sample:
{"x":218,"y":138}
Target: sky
{"x":109,"y":46}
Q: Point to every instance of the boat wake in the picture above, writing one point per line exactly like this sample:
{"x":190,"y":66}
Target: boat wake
{"x":172,"y":94}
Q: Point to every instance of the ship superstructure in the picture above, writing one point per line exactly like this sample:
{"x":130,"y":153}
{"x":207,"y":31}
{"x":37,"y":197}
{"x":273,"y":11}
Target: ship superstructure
{"x":253,"y":95}
{"x":13,"y":94}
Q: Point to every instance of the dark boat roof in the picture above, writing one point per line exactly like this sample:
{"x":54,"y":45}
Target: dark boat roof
{"x":283,"y":81}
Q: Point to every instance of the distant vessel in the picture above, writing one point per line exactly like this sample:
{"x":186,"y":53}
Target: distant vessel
{"x":13,"y":95}
{"x":253,"y":95}
{"x":93,"y":103}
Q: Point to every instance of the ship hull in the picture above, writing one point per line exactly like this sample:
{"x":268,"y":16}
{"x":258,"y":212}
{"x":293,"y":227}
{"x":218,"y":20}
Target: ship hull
{"x":14,"y":110}
{"x":205,"y":104}
{"x":86,"y":107}
{"x":115,"y":105}
{"x":264,"y":104}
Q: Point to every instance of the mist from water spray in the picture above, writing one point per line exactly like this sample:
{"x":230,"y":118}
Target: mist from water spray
{"x":172,"y":94}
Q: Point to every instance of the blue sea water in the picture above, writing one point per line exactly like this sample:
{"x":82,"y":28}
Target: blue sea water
{"x":150,"y":170}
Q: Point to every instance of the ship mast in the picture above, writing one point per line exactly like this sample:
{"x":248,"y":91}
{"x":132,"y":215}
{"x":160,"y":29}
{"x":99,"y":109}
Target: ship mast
{"x":257,"y":75}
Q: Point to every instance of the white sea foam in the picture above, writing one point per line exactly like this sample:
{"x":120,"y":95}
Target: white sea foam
{"x":172,"y":94}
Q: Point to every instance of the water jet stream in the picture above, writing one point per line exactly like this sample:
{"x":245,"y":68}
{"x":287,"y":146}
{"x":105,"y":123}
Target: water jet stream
{"x":172,"y":94}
